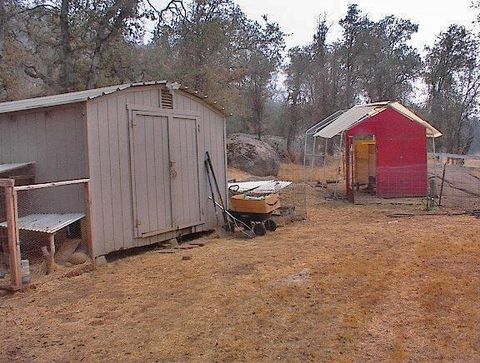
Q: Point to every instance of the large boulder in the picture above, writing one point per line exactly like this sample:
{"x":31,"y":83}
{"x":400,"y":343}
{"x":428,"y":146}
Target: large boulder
{"x":279,"y":144}
{"x":249,"y":154}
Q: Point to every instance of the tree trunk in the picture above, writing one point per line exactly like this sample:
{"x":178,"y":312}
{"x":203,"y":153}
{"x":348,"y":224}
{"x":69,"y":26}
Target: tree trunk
{"x":66,"y":69}
{"x":3,"y":25}
{"x":94,"y":68}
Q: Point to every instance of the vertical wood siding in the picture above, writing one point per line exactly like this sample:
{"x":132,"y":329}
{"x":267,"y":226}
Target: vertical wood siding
{"x":110,"y":169}
{"x":186,"y":209}
{"x":55,"y":139}
{"x":150,"y":174}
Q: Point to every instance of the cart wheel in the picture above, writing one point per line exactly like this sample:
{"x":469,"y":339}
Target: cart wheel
{"x":230,"y":227}
{"x":248,"y":224}
{"x":270,"y":225}
{"x":259,"y":229}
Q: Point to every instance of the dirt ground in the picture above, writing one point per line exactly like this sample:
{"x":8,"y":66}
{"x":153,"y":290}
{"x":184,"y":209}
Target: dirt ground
{"x":348,"y":284}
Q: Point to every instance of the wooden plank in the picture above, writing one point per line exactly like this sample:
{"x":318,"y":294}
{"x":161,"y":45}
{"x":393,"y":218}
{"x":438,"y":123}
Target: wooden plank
{"x":124,"y":170}
{"x":52,"y":184}
{"x":141,"y":217}
{"x":95,"y":175}
{"x":138,"y":97}
{"x":88,"y":218}
{"x":147,"y":98}
{"x":105,"y":174}
{"x":7,"y":182}
{"x":202,"y":178}
{"x":150,"y":176}
{"x":131,"y":228}
{"x":151,"y":179}
{"x":3,"y":135}
{"x":42,"y":172}
{"x":209,"y":130}
{"x":161,"y":167}
{"x":182,"y":134}
{"x":156,"y":111}
{"x":117,"y":218}
{"x":175,"y":159}
{"x":13,"y":237}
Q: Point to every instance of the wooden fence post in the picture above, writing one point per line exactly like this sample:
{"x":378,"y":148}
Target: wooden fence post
{"x":12,"y":231}
{"x":88,"y":214}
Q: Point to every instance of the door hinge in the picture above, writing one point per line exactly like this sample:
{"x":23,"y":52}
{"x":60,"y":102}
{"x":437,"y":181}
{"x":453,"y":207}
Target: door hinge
{"x":198,"y":128}
{"x":137,"y":223}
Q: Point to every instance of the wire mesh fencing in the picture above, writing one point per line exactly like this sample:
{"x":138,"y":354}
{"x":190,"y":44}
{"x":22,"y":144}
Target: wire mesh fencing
{"x":50,"y":227}
{"x":455,"y":180}
{"x":323,"y":174}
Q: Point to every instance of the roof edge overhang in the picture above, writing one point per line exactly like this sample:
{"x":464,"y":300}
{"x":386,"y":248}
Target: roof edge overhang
{"x":84,"y":96}
{"x":432,"y":132}
{"x":357,"y":114}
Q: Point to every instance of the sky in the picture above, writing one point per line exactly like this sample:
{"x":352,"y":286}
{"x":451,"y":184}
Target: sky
{"x":298,"y":18}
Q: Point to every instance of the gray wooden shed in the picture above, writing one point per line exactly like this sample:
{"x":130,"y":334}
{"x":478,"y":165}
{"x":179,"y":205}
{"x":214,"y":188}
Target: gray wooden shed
{"x":142,"y":146}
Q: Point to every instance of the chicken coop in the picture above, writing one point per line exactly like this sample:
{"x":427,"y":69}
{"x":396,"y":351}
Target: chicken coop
{"x":123,"y":164}
{"x":382,"y":148}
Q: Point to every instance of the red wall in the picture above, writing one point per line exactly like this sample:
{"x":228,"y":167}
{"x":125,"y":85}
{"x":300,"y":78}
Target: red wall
{"x":401,"y":154}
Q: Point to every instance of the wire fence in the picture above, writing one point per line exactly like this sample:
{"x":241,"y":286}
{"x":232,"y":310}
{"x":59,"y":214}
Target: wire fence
{"x":323,"y":174}
{"x":43,"y":228}
{"x":455,"y":180}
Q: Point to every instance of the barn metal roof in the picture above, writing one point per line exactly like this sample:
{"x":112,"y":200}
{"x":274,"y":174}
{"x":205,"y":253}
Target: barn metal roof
{"x":82,"y":96}
{"x":343,"y":121}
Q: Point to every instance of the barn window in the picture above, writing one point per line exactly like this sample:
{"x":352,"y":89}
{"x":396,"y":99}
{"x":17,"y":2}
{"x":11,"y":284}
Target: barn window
{"x":167,"y":99}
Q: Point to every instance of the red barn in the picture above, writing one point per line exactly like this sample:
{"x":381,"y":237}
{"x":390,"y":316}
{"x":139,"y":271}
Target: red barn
{"x":385,"y":148}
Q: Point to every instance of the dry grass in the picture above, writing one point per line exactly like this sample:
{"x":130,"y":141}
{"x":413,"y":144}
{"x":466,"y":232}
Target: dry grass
{"x":297,"y":173}
{"x":348,"y":284}
{"x":237,"y":174}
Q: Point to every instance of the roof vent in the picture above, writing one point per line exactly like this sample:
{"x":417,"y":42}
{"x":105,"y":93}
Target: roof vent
{"x":167,"y":99}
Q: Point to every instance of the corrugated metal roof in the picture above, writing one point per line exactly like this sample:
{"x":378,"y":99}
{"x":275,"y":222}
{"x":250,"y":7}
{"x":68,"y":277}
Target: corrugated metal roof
{"x":46,"y":223}
{"x":357,"y":114}
{"x":348,"y":119}
{"x":57,"y":100}
{"x":6,"y":168}
{"x":325,"y":122}
{"x":259,"y":187}
{"x":82,"y":96}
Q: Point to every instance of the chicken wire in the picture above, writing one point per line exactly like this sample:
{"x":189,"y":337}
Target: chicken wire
{"x":60,"y":211}
{"x":455,"y":180}
{"x":324,"y":167}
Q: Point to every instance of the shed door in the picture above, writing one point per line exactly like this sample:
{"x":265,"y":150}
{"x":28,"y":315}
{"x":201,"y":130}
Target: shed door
{"x":184,"y":173}
{"x":150,"y":174}
{"x":164,"y":173}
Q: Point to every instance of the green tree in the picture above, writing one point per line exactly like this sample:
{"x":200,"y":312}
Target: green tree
{"x":453,"y":78}
{"x":356,"y":28}
{"x":388,"y":65}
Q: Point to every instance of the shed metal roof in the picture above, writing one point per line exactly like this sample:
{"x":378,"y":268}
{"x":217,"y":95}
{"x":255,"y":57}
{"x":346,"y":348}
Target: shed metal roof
{"x":352,"y":117}
{"x":82,"y":96}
